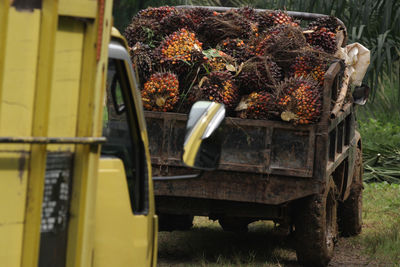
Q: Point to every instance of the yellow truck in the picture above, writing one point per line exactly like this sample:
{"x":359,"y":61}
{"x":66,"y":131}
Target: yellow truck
{"x":71,"y":193}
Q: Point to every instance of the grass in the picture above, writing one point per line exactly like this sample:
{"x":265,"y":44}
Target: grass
{"x":207,"y":245}
{"x":381,"y":215}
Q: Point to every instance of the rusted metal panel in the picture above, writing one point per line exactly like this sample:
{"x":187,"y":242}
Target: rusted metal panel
{"x":260,"y":146}
{"x":237,"y":186}
{"x":347,"y":109}
{"x":339,"y":159}
{"x":322,"y":136}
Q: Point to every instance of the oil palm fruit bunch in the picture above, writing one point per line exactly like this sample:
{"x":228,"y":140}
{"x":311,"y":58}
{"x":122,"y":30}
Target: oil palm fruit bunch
{"x":217,"y":60}
{"x":143,"y":31}
{"x":217,"y":64}
{"x":237,"y":49}
{"x":276,"y":17}
{"x":309,"y":66}
{"x":220,"y":87}
{"x":220,"y":26}
{"x":156,"y":13}
{"x":329,"y":22}
{"x":181,"y":45}
{"x":299,"y":100}
{"x":257,"y":105}
{"x":277,"y":38}
{"x":198,"y":15}
{"x":282,"y":43}
{"x":248,"y":13}
{"x":263,"y":45}
{"x":142,"y":59}
{"x":176,"y":21}
{"x":322,"y":38}
{"x":161,"y":92}
{"x":145,"y":26}
{"x":258,"y":74}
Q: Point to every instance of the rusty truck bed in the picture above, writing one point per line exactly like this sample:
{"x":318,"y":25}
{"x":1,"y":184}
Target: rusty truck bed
{"x":256,"y":146}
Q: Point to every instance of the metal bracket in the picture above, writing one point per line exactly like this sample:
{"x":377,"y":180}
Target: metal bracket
{"x":53,"y":140}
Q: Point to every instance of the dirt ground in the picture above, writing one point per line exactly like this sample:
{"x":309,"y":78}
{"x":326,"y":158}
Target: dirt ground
{"x":208,"y":245}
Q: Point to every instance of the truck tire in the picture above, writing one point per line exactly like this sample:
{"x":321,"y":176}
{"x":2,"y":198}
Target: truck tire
{"x":316,"y":227}
{"x":350,"y":211}
{"x":171,"y":222}
{"x":234,"y":224}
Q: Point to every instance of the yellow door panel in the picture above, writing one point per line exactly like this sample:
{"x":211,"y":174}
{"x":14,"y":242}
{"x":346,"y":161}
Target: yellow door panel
{"x":16,"y":106}
{"x":10,"y":244}
{"x":13,"y":182}
{"x":12,"y":187}
{"x":121,"y":238}
{"x":66,"y":80}
{"x":78,"y":8}
{"x":18,"y":85}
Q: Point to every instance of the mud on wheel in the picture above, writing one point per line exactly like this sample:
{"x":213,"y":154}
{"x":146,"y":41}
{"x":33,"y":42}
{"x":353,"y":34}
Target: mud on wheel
{"x":316,"y":227}
{"x":350,"y":211}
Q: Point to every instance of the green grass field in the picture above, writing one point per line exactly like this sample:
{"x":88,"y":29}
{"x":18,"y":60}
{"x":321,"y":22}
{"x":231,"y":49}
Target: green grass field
{"x":381,"y":215}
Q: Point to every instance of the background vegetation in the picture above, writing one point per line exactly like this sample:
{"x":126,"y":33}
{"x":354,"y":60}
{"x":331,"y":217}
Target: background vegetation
{"x":373,"y":23}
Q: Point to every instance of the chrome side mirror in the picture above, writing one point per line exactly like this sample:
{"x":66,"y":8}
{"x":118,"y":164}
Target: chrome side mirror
{"x":203,"y":140}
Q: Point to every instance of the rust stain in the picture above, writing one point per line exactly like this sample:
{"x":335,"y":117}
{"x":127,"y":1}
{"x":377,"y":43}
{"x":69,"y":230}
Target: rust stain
{"x":26,"y":5}
{"x":21,"y":166}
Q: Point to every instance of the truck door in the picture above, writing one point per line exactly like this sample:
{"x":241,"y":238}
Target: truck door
{"x":125,"y":222}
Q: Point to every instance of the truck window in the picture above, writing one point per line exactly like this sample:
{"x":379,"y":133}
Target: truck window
{"x":121,"y":128}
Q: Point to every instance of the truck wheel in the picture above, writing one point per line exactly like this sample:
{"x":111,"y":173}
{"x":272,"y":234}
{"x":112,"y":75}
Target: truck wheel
{"x":234,"y":224}
{"x":316,"y":227}
{"x":171,"y":222}
{"x":350,"y":211}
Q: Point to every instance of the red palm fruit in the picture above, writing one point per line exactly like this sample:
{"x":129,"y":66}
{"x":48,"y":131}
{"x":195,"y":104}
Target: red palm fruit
{"x":248,"y":13}
{"x":156,"y":13}
{"x":181,"y":45}
{"x":142,"y":59}
{"x":257,"y":105}
{"x":176,"y":21}
{"x":237,"y":49}
{"x":267,"y":41}
{"x":310,"y":66}
{"x":301,"y":97}
{"x":323,"y":39}
{"x":329,"y":22}
{"x":218,"y":60}
{"x":142,"y":30}
{"x":220,"y":87}
{"x":161,"y":92}
{"x":276,"y":17}
{"x":197,"y":15}
{"x":145,"y":26}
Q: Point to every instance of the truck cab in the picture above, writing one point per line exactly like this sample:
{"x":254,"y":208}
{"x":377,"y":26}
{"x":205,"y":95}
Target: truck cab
{"x":76,"y":185}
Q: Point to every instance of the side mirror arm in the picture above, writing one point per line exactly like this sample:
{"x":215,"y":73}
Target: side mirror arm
{"x":178,"y":177}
